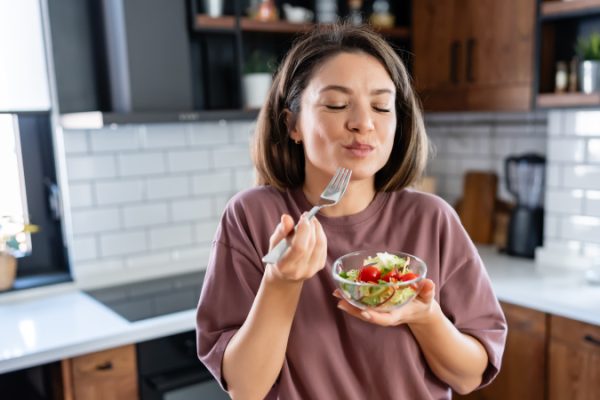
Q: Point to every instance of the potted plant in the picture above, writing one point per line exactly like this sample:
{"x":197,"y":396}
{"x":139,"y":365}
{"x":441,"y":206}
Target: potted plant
{"x":12,"y":244}
{"x":257,"y":79}
{"x":588,"y":51}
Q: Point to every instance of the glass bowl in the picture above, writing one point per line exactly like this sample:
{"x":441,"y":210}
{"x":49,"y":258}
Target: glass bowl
{"x":384,"y":293}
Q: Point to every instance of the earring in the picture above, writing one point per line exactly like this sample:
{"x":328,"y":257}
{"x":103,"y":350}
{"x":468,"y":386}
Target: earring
{"x":297,"y":141}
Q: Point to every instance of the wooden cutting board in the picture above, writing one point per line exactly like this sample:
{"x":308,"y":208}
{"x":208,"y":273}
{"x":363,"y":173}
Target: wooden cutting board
{"x":476,"y":209}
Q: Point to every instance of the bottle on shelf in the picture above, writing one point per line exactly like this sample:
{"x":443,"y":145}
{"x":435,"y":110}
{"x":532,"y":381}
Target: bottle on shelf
{"x":355,"y":6}
{"x":561,"y":77}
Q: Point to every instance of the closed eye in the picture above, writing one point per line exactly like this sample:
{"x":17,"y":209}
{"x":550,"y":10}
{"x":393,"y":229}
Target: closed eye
{"x":335,"y":107}
{"x":383,"y":110}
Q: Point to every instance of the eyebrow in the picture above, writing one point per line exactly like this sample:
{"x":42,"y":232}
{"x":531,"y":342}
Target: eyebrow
{"x":346,"y":90}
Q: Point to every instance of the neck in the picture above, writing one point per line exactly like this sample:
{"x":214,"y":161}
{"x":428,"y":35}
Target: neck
{"x":358,"y":196}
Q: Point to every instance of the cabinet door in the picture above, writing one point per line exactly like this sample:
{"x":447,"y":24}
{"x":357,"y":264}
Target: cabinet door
{"x":23,"y":72}
{"x":109,"y":374}
{"x":574,"y":360}
{"x":522,"y":374}
{"x":499,"y":54}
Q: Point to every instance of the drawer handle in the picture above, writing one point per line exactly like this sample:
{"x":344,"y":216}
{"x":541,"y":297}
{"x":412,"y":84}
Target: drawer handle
{"x":104,"y":366}
{"x":592,"y":340}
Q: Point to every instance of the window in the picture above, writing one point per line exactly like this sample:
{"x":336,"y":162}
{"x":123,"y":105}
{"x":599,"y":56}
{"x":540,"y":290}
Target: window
{"x":29,"y":191}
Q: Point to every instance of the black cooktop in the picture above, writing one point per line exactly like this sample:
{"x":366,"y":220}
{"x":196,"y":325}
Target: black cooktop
{"x":152,"y":298}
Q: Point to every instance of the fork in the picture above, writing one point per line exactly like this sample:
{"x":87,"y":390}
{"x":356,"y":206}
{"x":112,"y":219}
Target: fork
{"x":331,"y":195}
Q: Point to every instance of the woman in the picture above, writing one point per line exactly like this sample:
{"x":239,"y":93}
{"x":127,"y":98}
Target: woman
{"x":342,"y":97}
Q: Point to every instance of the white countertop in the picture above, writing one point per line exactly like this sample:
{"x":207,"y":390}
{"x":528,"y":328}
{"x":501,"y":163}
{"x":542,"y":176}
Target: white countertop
{"x":66,"y":322}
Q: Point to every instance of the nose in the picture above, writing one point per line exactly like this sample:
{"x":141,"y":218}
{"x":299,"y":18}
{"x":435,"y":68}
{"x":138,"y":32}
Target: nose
{"x":360,"y":119}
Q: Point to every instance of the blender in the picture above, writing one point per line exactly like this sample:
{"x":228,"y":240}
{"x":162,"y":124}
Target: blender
{"x":525,"y":179}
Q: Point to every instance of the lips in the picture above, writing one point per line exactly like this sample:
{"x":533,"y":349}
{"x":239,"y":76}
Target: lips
{"x":359,"y":149}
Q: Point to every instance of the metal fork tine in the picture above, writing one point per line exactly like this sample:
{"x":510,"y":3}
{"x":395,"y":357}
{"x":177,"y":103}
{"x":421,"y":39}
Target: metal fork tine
{"x":346,"y":180}
{"x":333,"y":183}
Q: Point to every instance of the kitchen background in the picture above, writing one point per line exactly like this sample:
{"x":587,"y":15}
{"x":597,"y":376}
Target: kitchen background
{"x":149,"y":108}
{"x":151,"y":195}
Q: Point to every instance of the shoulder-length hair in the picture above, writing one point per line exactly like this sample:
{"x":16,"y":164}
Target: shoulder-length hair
{"x":280,"y":162}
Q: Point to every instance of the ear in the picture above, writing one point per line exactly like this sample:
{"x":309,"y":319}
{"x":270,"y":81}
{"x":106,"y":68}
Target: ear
{"x":291,"y":125}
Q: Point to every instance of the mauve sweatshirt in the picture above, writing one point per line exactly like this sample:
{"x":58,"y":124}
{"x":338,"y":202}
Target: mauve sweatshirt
{"x":330,"y":354}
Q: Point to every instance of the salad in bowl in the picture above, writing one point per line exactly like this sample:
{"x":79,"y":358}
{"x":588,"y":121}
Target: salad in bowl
{"x":382,"y":281}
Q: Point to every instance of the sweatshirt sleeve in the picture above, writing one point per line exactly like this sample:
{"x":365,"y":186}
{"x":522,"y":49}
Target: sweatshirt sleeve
{"x":230,"y":285}
{"x":467,"y":297}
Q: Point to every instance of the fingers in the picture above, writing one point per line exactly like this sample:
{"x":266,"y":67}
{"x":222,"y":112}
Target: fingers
{"x":282,"y":230}
{"x":426,"y":290}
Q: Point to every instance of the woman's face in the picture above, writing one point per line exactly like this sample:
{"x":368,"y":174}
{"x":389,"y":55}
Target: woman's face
{"x":347,"y":117}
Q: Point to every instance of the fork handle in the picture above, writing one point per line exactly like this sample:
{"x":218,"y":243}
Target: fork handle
{"x":275,"y":254}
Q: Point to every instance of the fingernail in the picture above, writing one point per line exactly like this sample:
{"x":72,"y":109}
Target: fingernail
{"x":335,"y":294}
{"x":365,"y":315}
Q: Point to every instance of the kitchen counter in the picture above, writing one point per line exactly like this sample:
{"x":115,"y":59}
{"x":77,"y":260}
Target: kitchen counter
{"x":67,"y":322}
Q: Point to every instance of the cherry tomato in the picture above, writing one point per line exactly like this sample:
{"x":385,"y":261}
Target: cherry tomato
{"x":391,"y":276}
{"x":369,"y":274}
{"x":409,"y":276}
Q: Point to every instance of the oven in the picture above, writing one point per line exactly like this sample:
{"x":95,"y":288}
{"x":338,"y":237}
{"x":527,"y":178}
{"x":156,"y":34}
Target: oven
{"x":168,"y":369}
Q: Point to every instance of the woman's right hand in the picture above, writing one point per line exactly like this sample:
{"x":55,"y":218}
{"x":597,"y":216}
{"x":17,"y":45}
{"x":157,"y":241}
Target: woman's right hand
{"x":307,"y":253}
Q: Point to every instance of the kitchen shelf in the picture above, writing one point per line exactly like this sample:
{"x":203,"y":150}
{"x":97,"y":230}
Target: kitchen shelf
{"x":204,"y":23}
{"x":560,"y":100}
{"x":569,"y":9}
{"x":98,"y":119}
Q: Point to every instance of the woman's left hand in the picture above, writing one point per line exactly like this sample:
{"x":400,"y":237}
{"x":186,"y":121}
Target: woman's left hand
{"x":417,"y":311}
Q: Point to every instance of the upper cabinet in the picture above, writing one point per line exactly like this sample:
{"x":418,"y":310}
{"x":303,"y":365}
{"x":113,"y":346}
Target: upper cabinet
{"x":23,"y":68}
{"x":474,"y":54}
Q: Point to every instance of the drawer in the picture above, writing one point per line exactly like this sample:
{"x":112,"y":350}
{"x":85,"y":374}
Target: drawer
{"x":575,"y":333}
{"x":107,"y":364}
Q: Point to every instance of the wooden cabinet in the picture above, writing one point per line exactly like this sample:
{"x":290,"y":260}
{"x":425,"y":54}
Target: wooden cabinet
{"x":574,"y":360}
{"x":524,"y":363}
{"x":474,"y":54}
{"x":109,"y":374}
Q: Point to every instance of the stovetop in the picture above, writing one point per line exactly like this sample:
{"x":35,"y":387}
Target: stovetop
{"x":152,"y":298}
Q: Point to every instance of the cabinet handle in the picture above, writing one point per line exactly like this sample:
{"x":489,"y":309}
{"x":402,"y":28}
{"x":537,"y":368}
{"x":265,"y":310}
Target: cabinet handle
{"x":454,"y":54}
{"x":471,"y":43}
{"x":104,"y":366}
{"x":592,"y":340}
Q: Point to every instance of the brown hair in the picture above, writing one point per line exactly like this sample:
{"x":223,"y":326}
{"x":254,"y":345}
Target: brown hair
{"x":280,"y":162}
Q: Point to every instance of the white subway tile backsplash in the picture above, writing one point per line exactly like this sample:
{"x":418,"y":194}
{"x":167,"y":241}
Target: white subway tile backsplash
{"x":140,"y":215}
{"x":582,"y":177}
{"x":551,"y":226}
{"x":122,"y":243}
{"x":553,"y":175}
{"x":475,"y":164}
{"x":126,"y":138}
{"x":75,"y":141}
{"x":199,"y":254}
{"x":141,"y":164}
{"x":241,"y":131}
{"x":219,"y":204}
{"x":95,"y":220}
{"x":212,"y":183}
{"x":171,"y":236}
{"x":593,"y":150}
{"x":566,"y":150}
{"x":210,"y":133}
{"x":243,"y":179}
{"x":502,"y":146}
{"x":164,"y":136}
{"x":119,"y":191}
{"x":592,"y":251}
{"x":231,"y":157}
{"x":84,"y":248}
{"x":582,"y":228}
{"x":91,"y":167}
{"x":149,"y":260}
{"x":80,"y":195}
{"x":205,"y":231}
{"x":555,"y":123}
{"x":582,"y":123}
{"x":191,"y":209}
{"x":592,"y":203}
{"x":564,"y":201}
{"x":167,"y":187}
{"x":189,"y":160}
